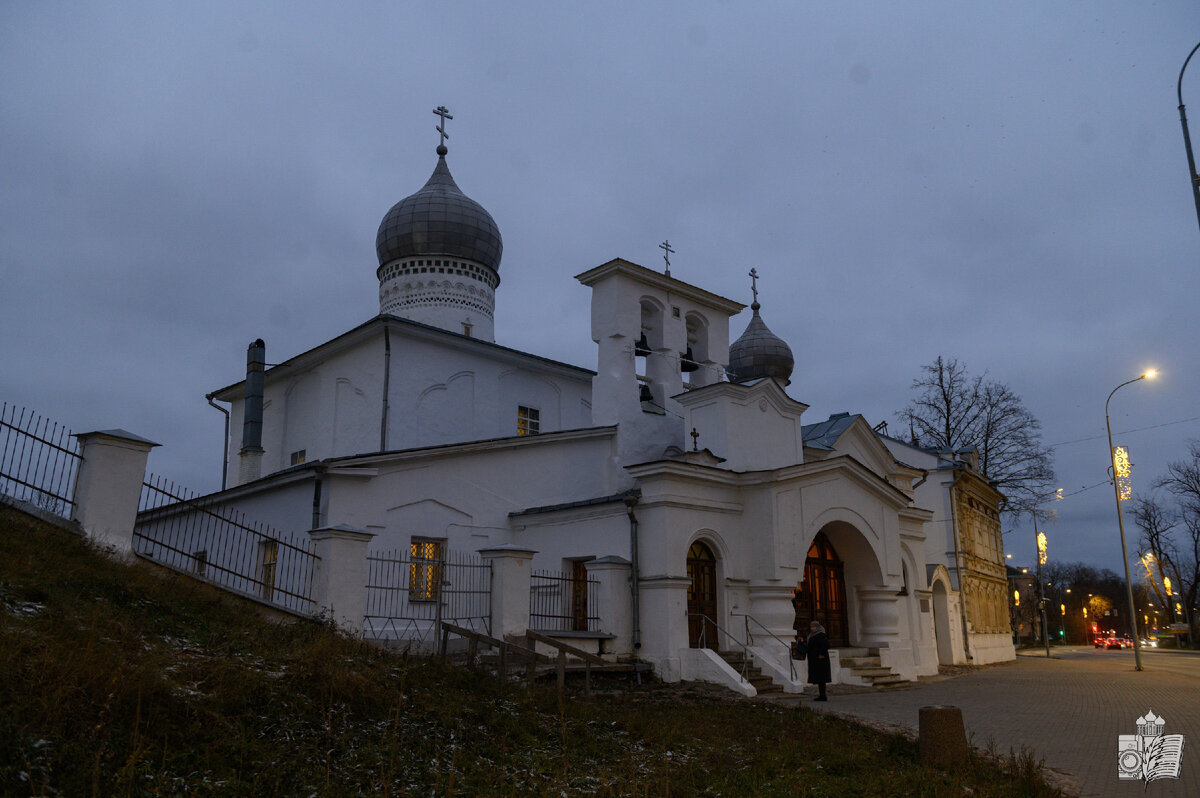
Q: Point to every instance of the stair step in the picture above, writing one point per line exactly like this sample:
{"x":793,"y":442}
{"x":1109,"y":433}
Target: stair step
{"x":861,"y":662}
{"x":847,"y":651}
{"x":879,"y":681}
{"x":872,"y":672}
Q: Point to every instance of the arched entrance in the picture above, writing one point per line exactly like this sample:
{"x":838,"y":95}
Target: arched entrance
{"x":702,"y":597}
{"x":822,"y":594}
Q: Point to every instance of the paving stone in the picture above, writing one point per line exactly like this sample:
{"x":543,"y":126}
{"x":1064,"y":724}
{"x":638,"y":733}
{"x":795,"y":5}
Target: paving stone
{"x":1067,"y":711}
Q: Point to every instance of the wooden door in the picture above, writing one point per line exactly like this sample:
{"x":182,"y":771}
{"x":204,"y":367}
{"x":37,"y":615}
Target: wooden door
{"x":822,"y":595}
{"x":702,"y":597}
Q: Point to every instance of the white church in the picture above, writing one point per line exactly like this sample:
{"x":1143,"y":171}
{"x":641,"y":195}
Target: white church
{"x":680,"y":464}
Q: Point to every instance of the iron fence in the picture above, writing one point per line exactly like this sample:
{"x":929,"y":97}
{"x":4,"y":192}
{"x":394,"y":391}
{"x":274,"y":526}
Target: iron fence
{"x":196,"y":535}
{"x":39,"y":460}
{"x":562,"y":602}
{"x":411,"y":592}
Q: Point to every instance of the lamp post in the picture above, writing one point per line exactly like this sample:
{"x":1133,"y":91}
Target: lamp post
{"x":1187,"y":140}
{"x":1112,"y":461}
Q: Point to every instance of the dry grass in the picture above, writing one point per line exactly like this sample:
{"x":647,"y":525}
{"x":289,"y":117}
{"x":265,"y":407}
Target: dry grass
{"x":120,"y":679}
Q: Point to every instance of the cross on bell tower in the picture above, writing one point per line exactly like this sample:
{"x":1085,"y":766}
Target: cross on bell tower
{"x":665,"y":246}
{"x":442,"y":111}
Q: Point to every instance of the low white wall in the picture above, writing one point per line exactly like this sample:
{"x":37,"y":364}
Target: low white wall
{"x":989,"y":648}
{"x":704,"y":665}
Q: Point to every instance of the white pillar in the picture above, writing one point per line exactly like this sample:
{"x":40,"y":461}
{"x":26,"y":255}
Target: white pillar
{"x":512,"y":569}
{"x":614,"y":599}
{"x":664,"y":623}
{"x":879,"y":611}
{"x":109,"y":485}
{"x":340,"y":576}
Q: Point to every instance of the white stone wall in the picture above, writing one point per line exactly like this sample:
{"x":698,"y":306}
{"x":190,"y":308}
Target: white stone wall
{"x":440,"y":391}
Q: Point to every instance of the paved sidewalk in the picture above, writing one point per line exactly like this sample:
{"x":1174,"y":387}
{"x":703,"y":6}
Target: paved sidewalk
{"x":1068,"y":710}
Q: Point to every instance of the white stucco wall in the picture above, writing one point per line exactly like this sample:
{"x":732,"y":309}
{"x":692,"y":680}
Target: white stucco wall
{"x":442,"y":389}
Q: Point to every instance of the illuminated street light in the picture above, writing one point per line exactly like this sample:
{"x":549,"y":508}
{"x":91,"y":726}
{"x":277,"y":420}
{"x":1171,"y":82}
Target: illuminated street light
{"x":1112,"y":455}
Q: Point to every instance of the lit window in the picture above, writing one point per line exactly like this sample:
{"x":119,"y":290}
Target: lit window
{"x":268,"y":551}
{"x":529,"y":420}
{"x":299,"y":456}
{"x":424,"y":569}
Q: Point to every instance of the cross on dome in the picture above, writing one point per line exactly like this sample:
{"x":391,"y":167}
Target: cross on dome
{"x":754,"y":286}
{"x":444,"y":113}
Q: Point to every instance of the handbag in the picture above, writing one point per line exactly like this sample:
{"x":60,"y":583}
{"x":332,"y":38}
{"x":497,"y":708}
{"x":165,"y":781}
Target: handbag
{"x":799,"y":650}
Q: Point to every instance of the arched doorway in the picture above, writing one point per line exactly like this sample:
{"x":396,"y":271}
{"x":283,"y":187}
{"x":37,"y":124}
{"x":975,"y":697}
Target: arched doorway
{"x":941,"y":623}
{"x":822,"y":594}
{"x":702,"y":597}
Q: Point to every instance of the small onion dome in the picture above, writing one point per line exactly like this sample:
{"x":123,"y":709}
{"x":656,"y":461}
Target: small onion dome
{"x":759,"y":353}
{"x":439,"y":220}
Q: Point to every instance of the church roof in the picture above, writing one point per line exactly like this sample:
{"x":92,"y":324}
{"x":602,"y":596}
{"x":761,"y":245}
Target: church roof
{"x":439,"y":220}
{"x":759,"y":353}
{"x":825,"y":434}
{"x":229,"y":392}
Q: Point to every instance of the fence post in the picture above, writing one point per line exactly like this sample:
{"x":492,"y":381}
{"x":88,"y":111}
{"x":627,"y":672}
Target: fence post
{"x":511,"y":567}
{"x":614,"y":600}
{"x":108,"y":485}
{"x":340,"y":575}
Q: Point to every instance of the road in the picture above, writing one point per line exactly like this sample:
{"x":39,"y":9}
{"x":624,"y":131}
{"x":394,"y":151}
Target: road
{"x":1068,"y":709}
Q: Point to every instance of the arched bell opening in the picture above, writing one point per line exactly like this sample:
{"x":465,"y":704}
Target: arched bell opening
{"x":695,"y":362}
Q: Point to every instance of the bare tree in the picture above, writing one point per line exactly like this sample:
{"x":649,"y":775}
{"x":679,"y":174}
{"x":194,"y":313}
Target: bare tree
{"x":953,"y":411}
{"x":1155,"y":523}
{"x":1183,"y":481}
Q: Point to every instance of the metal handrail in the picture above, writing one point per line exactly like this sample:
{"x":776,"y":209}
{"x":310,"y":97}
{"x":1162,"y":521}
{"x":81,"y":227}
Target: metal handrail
{"x":749,"y":636}
{"x":717,"y":626}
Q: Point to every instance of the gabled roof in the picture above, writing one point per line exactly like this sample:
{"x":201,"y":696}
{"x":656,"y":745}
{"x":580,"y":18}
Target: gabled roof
{"x":424,"y":330}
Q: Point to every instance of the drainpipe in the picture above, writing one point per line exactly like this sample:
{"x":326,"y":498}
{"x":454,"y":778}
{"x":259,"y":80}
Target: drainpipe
{"x":319,"y":472}
{"x":958,"y":566}
{"x":387,"y":376}
{"x":630,"y":502}
{"x":225,"y":441}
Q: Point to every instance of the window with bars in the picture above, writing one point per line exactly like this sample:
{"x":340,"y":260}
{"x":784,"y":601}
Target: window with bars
{"x":424,"y":569}
{"x":529,"y":420}
{"x":200,"y":562}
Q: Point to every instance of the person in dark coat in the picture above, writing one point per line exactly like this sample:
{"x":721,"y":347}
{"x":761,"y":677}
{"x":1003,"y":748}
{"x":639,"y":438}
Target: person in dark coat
{"x":818,"y":659}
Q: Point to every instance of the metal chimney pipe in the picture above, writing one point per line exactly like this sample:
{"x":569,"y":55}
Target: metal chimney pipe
{"x":256,"y":364}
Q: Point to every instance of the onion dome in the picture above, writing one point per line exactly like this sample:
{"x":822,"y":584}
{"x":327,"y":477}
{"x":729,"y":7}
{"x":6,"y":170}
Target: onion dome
{"x":759,"y":353}
{"x":439,"y":220}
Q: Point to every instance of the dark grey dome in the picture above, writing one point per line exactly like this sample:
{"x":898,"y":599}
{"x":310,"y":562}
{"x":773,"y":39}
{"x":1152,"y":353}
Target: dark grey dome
{"x":759,"y":353}
{"x":439,"y":220}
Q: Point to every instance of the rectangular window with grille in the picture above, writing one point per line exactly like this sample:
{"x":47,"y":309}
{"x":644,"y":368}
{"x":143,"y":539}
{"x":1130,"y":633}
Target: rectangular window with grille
{"x":200,"y":562}
{"x":268,"y":558}
{"x":299,"y":456}
{"x":529,"y":420}
{"x":424,"y":569}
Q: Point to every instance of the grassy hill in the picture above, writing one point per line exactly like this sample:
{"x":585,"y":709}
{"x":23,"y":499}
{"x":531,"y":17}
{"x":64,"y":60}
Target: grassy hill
{"x":121,"y":679}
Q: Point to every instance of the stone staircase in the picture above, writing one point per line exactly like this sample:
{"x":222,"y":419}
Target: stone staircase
{"x":864,"y":663}
{"x":764,"y":684}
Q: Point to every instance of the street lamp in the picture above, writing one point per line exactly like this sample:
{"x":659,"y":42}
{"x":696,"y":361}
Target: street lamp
{"x":1187,"y":140}
{"x":1112,"y":459}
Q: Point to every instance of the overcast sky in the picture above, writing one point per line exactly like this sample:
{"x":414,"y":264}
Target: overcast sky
{"x":1004,"y":183}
